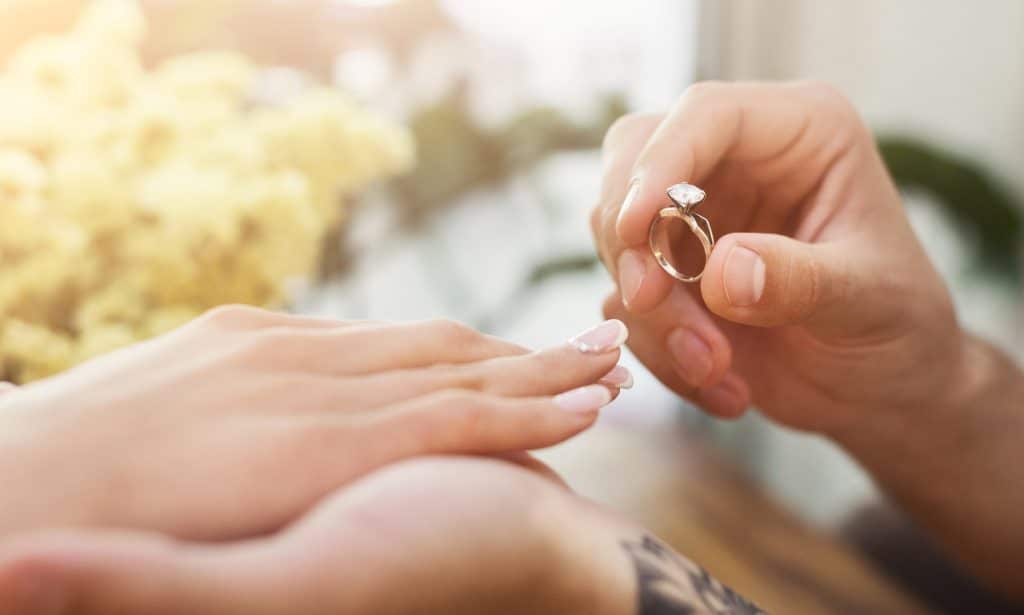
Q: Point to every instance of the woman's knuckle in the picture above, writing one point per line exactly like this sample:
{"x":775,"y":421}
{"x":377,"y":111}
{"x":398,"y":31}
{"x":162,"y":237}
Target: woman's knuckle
{"x":465,"y":401}
{"x":471,"y":418}
{"x":233,"y":316}
{"x":268,"y":345}
{"x":463,"y":413}
{"x":465,"y":378}
{"x":454,"y":331}
{"x":544,"y":363}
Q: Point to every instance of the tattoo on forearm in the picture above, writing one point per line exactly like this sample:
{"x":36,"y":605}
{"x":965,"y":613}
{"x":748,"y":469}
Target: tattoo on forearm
{"x":667,"y":584}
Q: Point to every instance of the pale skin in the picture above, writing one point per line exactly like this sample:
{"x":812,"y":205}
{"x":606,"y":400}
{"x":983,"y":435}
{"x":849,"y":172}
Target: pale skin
{"x":818,"y":305}
{"x":237,"y":423}
{"x":486,"y":536}
{"x":843,"y":329}
{"x":236,"y":466}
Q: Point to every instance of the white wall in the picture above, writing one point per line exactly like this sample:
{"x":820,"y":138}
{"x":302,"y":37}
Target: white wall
{"x":950,"y":69}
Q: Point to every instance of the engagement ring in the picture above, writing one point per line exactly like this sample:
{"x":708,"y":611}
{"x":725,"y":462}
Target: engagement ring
{"x":685,"y":198}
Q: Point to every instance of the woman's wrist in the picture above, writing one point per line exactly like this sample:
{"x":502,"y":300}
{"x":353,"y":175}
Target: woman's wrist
{"x":590,"y":572}
{"x":42,"y":485}
{"x":19,"y":450}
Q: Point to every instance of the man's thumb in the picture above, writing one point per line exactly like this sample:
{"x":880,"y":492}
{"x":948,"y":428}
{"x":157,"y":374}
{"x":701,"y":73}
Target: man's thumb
{"x":85,"y":573}
{"x":770,"y":280}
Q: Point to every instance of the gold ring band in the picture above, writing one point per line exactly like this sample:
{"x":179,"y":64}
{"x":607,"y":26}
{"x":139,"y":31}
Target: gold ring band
{"x":707,"y":241}
{"x":685,"y":198}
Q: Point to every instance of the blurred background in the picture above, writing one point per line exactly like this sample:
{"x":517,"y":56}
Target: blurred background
{"x":485,"y":118}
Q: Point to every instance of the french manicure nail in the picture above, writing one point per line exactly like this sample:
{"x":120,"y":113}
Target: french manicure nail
{"x":691,"y":355}
{"x":632,"y":269}
{"x":744,"y":276}
{"x":605,"y":337}
{"x":584,"y":400}
{"x":619,"y":377}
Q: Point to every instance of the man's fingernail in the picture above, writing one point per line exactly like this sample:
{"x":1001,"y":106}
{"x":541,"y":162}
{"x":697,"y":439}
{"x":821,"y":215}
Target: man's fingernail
{"x":724,"y":399}
{"x":632,"y":269}
{"x":691,"y":355}
{"x":605,"y":337}
{"x":41,"y":598}
{"x":619,"y":377}
{"x":627,"y":203}
{"x":744,"y":276}
{"x":584,"y":400}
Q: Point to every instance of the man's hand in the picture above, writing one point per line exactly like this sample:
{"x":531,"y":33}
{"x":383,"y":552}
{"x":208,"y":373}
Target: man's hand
{"x":432,"y":535}
{"x":818,"y":303}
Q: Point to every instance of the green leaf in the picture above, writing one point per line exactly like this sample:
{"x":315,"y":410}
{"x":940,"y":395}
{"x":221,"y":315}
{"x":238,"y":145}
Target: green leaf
{"x":970,"y":194}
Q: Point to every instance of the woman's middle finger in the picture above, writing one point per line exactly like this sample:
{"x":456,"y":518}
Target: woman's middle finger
{"x":548,"y":372}
{"x":372,"y":348}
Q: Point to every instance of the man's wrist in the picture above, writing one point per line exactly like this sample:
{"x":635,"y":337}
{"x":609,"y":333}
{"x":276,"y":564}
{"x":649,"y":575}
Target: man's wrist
{"x":973,"y":371}
{"x":954,"y":466}
{"x":588,"y":571}
{"x":608,"y":566}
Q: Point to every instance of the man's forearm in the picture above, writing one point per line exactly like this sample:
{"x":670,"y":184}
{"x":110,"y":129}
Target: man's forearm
{"x":958,"y":468}
{"x":611,"y":567}
{"x":669,"y":584}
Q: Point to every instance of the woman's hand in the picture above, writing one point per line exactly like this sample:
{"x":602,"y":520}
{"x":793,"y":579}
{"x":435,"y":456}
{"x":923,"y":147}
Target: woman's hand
{"x":818,"y":303}
{"x":236,"y":423}
{"x":431,"y":535}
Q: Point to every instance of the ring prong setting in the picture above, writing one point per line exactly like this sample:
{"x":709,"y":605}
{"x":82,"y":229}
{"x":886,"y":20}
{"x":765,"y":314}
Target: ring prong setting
{"x":686,"y":196}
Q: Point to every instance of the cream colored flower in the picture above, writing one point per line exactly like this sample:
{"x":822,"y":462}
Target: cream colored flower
{"x":132,"y":201}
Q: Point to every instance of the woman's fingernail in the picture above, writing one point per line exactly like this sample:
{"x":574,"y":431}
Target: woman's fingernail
{"x":632,"y":269}
{"x":627,"y":203}
{"x":619,"y":377}
{"x":584,"y":400}
{"x":605,"y":337}
{"x":691,"y":355}
{"x":744,"y":276}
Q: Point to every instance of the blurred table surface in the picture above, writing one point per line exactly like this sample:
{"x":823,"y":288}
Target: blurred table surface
{"x":694,"y":498}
